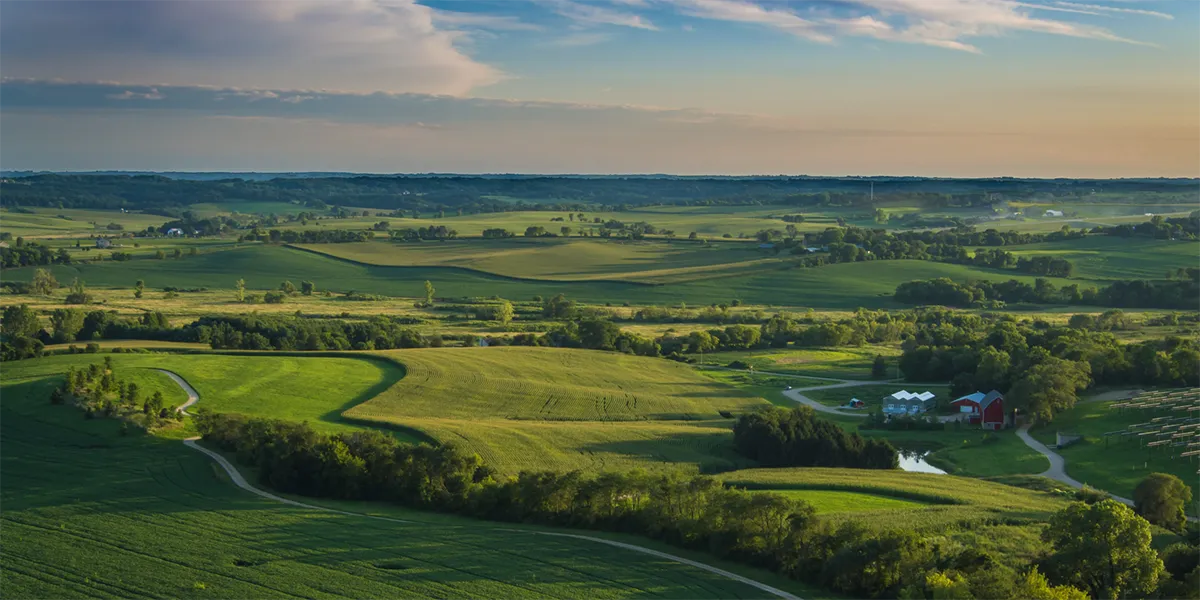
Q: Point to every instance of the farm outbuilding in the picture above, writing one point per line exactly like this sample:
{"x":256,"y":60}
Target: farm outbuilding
{"x":986,"y":410}
{"x":905,"y":402}
{"x":103,"y":243}
{"x":1053,"y":213}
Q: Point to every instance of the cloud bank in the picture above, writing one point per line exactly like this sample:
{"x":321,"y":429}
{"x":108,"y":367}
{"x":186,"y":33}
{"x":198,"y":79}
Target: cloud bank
{"x":351,"y":45}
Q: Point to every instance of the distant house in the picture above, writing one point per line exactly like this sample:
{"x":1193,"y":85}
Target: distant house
{"x":906,"y":403}
{"x":986,"y":410}
{"x":765,"y":246}
{"x":1053,"y":213}
{"x":103,"y":243}
{"x":174,"y":232}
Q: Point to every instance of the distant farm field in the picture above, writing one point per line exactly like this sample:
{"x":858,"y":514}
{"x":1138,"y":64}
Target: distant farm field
{"x":565,"y":259}
{"x":90,"y":513}
{"x":1109,"y":257}
{"x":841,"y":286}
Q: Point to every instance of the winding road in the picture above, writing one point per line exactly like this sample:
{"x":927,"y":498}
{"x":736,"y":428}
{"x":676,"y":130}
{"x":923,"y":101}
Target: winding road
{"x":1058,"y":465}
{"x":236,"y":477}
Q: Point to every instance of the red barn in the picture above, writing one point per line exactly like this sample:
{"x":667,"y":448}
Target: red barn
{"x":983,"y":409}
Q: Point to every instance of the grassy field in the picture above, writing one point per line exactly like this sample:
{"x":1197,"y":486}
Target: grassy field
{"x":834,"y":501}
{"x":1106,"y":257}
{"x":1115,"y":466}
{"x":873,"y":395}
{"x":837,"y":363}
{"x":566,"y":259}
{"x":90,"y":513}
{"x":262,"y":386}
{"x":840,"y":286}
{"x":73,"y":222}
{"x":543,"y":408}
{"x":1011,"y":518}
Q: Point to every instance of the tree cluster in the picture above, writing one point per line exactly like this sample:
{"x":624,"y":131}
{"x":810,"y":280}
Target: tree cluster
{"x":778,"y":437}
{"x":1178,"y":294}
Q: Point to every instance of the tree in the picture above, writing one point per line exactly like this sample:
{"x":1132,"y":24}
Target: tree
{"x":66,"y":323}
{"x":429,"y":293}
{"x":1035,"y":586}
{"x":160,"y":255}
{"x":565,"y":231}
{"x":504,"y":312}
{"x":1160,"y":498}
{"x":43,"y":283}
{"x":240,"y":290}
{"x":307,"y":288}
{"x":702,"y":341}
{"x":78,"y":293}
{"x":20,"y":321}
{"x":287,"y":287}
{"x":178,"y":253}
{"x":791,"y":230}
{"x":879,"y":367}
{"x":1050,"y":387}
{"x":1103,"y":549}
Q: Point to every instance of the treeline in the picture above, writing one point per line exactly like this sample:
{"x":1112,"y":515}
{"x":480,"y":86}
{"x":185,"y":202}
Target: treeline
{"x":433,"y":232}
{"x":1158,"y":227}
{"x":759,"y":529}
{"x":797,"y":438}
{"x":28,"y":254}
{"x":308,"y":236}
{"x":1138,"y":293}
{"x":1040,"y":367}
{"x":291,"y":333}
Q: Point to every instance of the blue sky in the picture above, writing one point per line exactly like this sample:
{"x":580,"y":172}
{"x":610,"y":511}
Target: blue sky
{"x":1102,"y":88}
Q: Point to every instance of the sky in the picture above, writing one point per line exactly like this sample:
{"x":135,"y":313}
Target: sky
{"x":954,"y":88}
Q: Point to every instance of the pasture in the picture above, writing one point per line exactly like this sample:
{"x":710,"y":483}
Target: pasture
{"x":40,"y":222}
{"x":843,"y":286}
{"x":561,"y":409}
{"x":281,"y":387}
{"x":88,"y":512}
{"x":560,"y":259}
{"x":837,"y":363}
{"x":945,"y":504}
{"x":1116,"y":465}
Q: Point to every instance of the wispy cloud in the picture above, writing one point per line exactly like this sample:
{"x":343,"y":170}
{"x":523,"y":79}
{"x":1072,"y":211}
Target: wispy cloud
{"x":1117,"y":9}
{"x":455,"y":19}
{"x":152,"y":94}
{"x":940,"y":23}
{"x":592,"y":14}
{"x":583,"y":38}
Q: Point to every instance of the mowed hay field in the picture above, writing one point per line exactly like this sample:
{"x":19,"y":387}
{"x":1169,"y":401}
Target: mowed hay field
{"x":564,"y":259}
{"x":561,"y":409}
{"x":1008,"y":519}
{"x":314,"y":389}
{"x":91,"y":513}
{"x":842,"y":286}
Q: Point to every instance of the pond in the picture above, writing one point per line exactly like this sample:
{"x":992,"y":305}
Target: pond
{"x":915,"y":462}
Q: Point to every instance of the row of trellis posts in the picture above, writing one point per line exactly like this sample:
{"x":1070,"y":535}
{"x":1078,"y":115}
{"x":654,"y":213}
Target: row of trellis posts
{"x":1173,"y":426}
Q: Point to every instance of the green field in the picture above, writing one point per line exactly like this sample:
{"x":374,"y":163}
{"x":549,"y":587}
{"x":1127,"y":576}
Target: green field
{"x":1119,"y":464}
{"x":833,"y":501}
{"x":554,"y":408}
{"x":840,"y":286}
{"x":90,"y":513}
{"x":837,"y":363}
{"x":566,"y":259}
{"x":73,"y":222}
{"x":263,"y":386}
{"x":952,"y":506}
{"x":1108,"y":257}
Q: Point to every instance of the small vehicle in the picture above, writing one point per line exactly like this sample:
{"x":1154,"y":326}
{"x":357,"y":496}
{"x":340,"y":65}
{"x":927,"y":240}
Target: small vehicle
{"x":789,"y":387}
